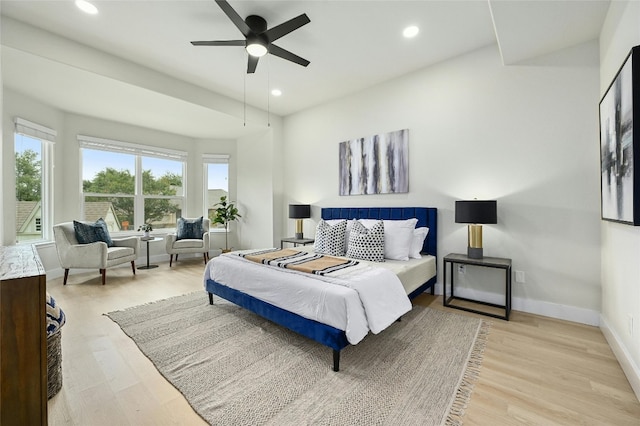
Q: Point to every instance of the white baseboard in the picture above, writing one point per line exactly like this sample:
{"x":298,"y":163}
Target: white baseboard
{"x":538,"y":307}
{"x":630,"y":368}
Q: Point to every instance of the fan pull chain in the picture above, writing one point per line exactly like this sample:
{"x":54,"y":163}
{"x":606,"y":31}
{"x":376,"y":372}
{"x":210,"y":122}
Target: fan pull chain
{"x":244,"y":98}
{"x":268,"y":89}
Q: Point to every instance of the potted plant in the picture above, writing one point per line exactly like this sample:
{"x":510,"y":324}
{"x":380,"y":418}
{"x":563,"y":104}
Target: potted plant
{"x":225,"y":212}
{"x":146,"y":228}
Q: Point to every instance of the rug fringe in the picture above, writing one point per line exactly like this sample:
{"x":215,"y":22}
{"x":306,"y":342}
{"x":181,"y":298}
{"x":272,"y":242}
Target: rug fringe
{"x":469,"y":377}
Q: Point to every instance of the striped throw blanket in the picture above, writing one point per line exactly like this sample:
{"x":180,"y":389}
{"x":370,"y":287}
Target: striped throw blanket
{"x":309,"y":262}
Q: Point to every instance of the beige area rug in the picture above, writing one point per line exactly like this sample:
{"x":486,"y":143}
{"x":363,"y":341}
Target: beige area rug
{"x":236,"y":368}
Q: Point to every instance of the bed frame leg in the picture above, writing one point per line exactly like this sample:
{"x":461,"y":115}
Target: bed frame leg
{"x":210,"y":299}
{"x":336,"y":360}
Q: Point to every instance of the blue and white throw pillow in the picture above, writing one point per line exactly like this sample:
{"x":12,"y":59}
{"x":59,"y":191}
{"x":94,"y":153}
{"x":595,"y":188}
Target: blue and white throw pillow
{"x":104,"y":233}
{"x":55,"y":316}
{"x":88,"y":232}
{"x":366,"y":244}
{"x":189,"y":229}
{"x":330,"y":238}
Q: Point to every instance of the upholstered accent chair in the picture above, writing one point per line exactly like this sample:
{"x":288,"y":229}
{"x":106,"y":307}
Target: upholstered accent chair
{"x":189,"y":238}
{"x":96,"y":255}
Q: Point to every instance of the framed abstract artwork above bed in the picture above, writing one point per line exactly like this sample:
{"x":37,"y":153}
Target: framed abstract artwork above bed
{"x":619,"y":144}
{"x":377,"y":164}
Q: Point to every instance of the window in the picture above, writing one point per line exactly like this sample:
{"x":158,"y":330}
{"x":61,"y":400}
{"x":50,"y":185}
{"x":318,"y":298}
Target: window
{"x":128,"y":185}
{"x":216,"y":181}
{"x":34,"y":182}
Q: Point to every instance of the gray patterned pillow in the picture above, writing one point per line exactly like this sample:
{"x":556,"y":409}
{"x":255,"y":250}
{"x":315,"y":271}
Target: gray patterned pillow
{"x":330,"y":238}
{"x":367,"y":244}
{"x":189,"y":229}
{"x":88,"y":232}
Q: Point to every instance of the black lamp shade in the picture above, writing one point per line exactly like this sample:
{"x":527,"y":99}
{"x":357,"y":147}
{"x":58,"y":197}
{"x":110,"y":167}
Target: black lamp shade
{"x":299,"y":211}
{"x":476,"y":211}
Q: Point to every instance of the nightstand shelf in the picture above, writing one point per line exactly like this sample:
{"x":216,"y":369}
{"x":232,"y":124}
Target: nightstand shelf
{"x":296,"y":241}
{"x":488,"y":262}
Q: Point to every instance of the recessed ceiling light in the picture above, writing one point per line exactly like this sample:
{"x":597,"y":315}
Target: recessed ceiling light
{"x":276,"y":92}
{"x":411,"y":31}
{"x":86,"y":7}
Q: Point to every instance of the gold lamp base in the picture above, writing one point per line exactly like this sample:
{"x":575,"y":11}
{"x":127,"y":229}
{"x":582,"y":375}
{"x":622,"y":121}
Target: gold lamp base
{"x":474,"y":249}
{"x":299,"y":235}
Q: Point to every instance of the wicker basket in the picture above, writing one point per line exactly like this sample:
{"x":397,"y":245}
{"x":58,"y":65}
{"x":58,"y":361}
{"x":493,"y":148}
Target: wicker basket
{"x":54,"y":364}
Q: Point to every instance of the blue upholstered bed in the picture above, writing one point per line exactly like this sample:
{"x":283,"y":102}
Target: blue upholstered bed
{"x":322,"y":333}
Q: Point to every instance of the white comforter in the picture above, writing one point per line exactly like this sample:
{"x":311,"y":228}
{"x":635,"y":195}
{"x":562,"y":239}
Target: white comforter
{"x":369,"y":300}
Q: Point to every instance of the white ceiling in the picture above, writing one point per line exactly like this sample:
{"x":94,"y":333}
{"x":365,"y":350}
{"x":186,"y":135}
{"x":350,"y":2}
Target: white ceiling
{"x":352,"y":45}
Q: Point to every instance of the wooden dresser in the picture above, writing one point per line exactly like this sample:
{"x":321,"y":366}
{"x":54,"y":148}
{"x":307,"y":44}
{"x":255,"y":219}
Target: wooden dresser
{"x":23,"y":337}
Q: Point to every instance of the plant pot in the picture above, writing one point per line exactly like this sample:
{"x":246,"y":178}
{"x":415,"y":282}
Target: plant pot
{"x":146,"y":234}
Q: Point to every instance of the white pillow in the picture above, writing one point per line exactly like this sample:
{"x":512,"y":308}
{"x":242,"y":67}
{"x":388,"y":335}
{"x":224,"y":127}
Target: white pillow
{"x":419,"y":234}
{"x":398,"y":235}
{"x":330,"y":238}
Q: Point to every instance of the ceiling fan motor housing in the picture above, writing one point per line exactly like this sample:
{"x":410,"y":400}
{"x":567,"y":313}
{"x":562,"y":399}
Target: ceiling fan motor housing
{"x":256,"y":23}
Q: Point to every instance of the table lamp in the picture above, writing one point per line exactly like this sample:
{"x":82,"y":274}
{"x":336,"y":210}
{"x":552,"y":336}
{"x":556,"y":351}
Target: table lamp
{"x":299,"y":212}
{"x":476,"y":213}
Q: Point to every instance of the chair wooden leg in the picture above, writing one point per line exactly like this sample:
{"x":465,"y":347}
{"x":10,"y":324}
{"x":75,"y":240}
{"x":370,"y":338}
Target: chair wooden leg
{"x":204,"y":255}
{"x":170,"y":260}
{"x":104,"y":275}
{"x":133,"y":267}
{"x":66,"y":275}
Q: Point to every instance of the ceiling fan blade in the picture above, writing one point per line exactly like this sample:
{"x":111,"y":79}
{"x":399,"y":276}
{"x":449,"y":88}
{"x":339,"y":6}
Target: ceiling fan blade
{"x":220,"y":43}
{"x":285,"y":54}
{"x":235,"y":18}
{"x":252,"y":64}
{"x":285,"y":28}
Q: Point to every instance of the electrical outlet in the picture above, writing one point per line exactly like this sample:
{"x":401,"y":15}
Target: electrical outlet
{"x":461,"y":269}
{"x":630,"y":324}
{"x":520,"y":277}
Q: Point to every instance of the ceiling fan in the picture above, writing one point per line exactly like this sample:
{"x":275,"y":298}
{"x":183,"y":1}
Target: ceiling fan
{"x":258,"y":39}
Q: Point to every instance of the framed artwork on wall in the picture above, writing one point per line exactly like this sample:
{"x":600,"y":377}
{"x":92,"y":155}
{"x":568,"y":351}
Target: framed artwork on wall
{"x":377,"y":164}
{"x":619,"y":144}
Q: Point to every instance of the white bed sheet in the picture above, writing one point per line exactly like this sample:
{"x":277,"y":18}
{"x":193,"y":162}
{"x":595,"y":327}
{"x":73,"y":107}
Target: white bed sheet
{"x":308,"y":295}
{"x":412,"y":273}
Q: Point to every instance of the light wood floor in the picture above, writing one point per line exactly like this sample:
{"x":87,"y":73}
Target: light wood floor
{"x":536,"y":370}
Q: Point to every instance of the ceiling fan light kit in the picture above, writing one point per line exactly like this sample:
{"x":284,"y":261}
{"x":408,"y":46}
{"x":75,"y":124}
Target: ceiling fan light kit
{"x":258,"y":39}
{"x":256,"y":47}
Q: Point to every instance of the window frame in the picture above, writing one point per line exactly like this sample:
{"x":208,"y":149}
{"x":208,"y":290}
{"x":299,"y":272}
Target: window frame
{"x":206,"y":160}
{"x":47,"y":138}
{"x":138,"y":151}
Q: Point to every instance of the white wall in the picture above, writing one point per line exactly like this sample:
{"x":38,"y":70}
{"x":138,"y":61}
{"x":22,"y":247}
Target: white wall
{"x":524,"y":135}
{"x":620,"y":243}
{"x":259,"y":158}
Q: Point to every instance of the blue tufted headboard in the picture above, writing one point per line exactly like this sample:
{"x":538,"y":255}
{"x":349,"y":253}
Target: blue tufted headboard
{"x":427,"y":216}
